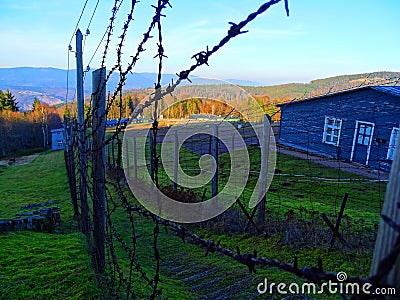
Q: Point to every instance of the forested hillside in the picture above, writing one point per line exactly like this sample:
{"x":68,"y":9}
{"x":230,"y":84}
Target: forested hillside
{"x":322,"y":86}
{"x":266,"y":96}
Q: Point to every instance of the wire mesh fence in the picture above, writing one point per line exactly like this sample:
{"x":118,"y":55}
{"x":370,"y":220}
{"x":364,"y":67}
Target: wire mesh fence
{"x":309,"y":180}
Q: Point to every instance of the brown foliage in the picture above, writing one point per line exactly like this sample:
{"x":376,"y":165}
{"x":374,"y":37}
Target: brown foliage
{"x":19,"y":130}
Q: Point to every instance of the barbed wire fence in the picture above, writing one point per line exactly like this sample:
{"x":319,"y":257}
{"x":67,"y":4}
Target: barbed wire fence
{"x":114,"y":236}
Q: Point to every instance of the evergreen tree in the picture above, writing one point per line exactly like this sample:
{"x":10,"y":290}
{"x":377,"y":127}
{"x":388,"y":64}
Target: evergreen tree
{"x":10,"y":99}
{"x":7,"y":101}
{"x":2,"y":101}
{"x":36,"y":104}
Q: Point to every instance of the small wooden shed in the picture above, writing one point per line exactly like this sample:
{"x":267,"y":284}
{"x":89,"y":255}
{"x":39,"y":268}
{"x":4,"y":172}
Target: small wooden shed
{"x":57,"y":139}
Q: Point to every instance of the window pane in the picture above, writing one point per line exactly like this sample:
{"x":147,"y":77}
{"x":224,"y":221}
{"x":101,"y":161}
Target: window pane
{"x":335,"y":139}
{"x":362,"y":129}
{"x":329,"y":131}
{"x":366,"y":141}
{"x":337,"y":123}
{"x":331,"y":122}
{"x":368,"y":130}
{"x":336,"y":132}
{"x":360,"y":139}
{"x":329,"y":138}
{"x":395,"y":137}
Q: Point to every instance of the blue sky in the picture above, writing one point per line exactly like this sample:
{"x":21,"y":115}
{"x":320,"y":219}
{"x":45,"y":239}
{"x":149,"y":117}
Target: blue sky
{"x":320,"y":38}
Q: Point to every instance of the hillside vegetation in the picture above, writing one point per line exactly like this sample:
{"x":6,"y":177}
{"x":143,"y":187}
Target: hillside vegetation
{"x":322,"y":86}
{"x":266,"y":96}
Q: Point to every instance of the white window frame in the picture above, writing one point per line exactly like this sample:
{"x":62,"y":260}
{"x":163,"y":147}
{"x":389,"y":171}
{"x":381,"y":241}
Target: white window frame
{"x":393,"y":144}
{"x":333,"y":127}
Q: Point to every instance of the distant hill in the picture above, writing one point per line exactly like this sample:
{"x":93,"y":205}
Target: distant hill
{"x":322,"y":86}
{"x":50,"y":84}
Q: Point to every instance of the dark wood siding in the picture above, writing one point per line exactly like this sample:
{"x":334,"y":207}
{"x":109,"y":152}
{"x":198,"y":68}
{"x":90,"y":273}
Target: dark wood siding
{"x":302,"y":123}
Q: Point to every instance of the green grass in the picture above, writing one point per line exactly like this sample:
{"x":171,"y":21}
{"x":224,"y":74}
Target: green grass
{"x":57,"y":266}
{"x":22,"y":152}
{"x":305,"y":187}
{"x":308,"y":189}
{"x":354,"y":263}
{"x":42,"y":265}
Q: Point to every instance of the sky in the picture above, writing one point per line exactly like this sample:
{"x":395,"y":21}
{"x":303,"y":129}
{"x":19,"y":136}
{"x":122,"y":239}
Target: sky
{"x":320,"y":38}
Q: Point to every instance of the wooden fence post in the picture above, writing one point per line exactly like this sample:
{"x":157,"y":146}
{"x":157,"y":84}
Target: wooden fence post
{"x":176,"y":160}
{"x":387,"y":236}
{"x":70,"y":163}
{"x":127,"y":162}
{"x":135,"y":166}
{"x":119,"y":152}
{"x":108,"y":154}
{"x":152,"y":167}
{"x":262,"y":188}
{"x":81,"y":135}
{"x":98,"y":166}
{"x":214,"y":153}
{"x":113,"y":152}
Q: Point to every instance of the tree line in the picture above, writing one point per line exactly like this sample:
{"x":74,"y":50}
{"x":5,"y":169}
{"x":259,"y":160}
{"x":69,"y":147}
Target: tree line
{"x":25,"y":130}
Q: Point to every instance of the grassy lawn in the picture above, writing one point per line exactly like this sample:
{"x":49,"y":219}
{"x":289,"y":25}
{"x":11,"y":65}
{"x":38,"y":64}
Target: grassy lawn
{"x":42,"y":265}
{"x":305,"y":188}
{"x":57,"y":266}
{"x":300,"y":186}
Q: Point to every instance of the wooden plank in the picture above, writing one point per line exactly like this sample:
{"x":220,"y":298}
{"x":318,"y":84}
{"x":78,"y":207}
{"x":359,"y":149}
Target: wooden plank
{"x":387,"y":238}
{"x":335,"y":232}
{"x":339,"y":219}
{"x":262,"y":188}
{"x":248,"y":216}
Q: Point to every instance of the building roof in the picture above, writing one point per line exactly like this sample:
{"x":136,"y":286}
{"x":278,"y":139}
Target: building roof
{"x":393,"y":90}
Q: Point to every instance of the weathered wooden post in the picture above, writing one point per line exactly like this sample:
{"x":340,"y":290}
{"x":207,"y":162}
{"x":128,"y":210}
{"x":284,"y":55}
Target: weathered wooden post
{"x":98,"y":166}
{"x":127,"y":161}
{"x":214,"y":153}
{"x":70,"y":163}
{"x":119,"y":152}
{"x":176,"y":160}
{"x":113,"y":152}
{"x":81,"y":134}
{"x":108,"y":154}
{"x":152,"y":166}
{"x":262,"y":195}
{"x":387,"y":236}
{"x":135,"y":165}
{"x":233,"y":142}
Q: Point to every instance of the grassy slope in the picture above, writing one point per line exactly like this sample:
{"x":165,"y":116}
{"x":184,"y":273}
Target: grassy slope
{"x":310,"y":192}
{"x":51,"y":266}
{"x":41,"y":265}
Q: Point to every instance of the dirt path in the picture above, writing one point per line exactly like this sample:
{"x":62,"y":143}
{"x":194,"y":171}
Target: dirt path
{"x":18,"y":161}
{"x":336,"y":164}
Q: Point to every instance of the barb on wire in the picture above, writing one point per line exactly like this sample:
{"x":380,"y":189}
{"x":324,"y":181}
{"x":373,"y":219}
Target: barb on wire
{"x":251,"y":260}
{"x":123,"y":74}
{"x":202,"y":57}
